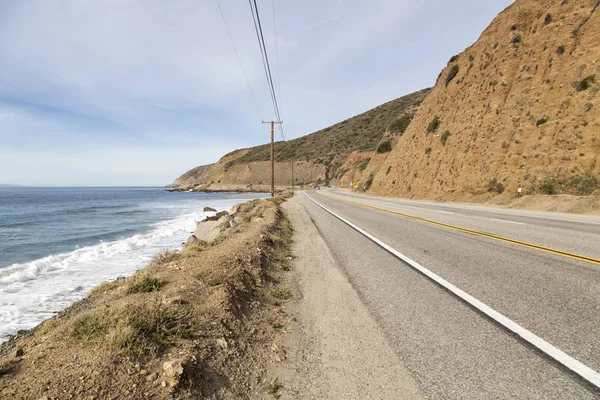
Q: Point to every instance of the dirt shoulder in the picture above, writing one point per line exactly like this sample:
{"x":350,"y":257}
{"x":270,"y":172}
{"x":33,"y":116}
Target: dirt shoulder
{"x":336,"y":349}
{"x":563,"y":203}
{"x":196,"y":324}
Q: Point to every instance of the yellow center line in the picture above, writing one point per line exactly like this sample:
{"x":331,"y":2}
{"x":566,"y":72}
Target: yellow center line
{"x":477,"y":233}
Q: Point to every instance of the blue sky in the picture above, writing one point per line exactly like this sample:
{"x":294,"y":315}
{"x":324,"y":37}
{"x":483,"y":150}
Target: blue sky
{"x":136,"y":92}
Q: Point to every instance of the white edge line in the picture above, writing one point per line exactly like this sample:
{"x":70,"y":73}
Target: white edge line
{"x":560,"y":356}
{"x":508,"y":222}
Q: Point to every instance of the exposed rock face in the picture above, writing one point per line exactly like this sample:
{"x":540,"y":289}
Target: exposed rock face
{"x":519,"y":108}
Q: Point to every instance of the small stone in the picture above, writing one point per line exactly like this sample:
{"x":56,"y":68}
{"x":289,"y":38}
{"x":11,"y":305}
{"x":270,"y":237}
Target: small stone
{"x":222,"y":343}
{"x":173,"y":383}
{"x":163,"y":384}
{"x":173,"y":368}
{"x":152,"y":377}
{"x":143,"y":372}
{"x":209,"y":209}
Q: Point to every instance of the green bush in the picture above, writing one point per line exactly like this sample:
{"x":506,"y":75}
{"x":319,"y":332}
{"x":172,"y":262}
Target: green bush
{"x":586,"y":83}
{"x":541,"y":121}
{"x":444,"y":137}
{"x":428,"y":150}
{"x":548,"y":19}
{"x":384,"y":147}
{"x":495,"y":186}
{"x":401,"y":124}
{"x":433,"y":125}
{"x":516,"y":40}
{"x":584,"y":185}
{"x":547,"y":186}
{"x":452,"y":73}
{"x":560,"y":50}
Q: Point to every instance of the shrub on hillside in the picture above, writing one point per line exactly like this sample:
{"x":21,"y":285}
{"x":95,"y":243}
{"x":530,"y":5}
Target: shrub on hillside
{"x":384,"y":147}
{"x":428,"y":150}
{"x":401,"y":124}
{"x":495,"y":186}
{"x":560,"y":50}
{"x":541,"y":121}
{"x":586,"y":83}
{"x":444,"y":137}
{"x":547,"y":186}
{"x":452,"y":73}
{"x":548,"y":19}
{"x":516,"y":40}
{"x":433,"y":125}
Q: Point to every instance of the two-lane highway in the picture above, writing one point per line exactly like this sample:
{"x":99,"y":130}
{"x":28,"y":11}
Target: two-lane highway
{"x":453,"y":350}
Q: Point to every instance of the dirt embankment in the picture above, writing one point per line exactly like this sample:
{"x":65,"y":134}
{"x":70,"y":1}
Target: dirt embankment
{"x":519,"y":108}
{"x":202,"y":323}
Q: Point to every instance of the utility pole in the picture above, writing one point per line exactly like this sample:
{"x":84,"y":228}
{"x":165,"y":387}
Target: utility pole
{"x":272,"y":154}
{"x":292,"y":175}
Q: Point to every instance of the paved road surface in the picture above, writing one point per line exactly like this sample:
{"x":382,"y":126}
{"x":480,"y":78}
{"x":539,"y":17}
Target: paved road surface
{"x":453,"y":351}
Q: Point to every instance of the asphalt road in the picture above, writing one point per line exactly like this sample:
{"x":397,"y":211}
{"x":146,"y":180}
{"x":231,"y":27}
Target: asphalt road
{"x":452,"y":350}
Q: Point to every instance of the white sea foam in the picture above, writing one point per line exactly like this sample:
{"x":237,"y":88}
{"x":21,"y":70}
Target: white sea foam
{"x":33,"y":291}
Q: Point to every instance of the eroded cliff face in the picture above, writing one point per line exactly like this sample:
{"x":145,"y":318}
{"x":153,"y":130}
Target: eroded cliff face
{"x":519,"y":108}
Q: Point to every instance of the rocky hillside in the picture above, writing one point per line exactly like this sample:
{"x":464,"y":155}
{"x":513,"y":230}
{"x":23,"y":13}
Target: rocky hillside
{"x":330,"y":155}
{"x":519,"y":108}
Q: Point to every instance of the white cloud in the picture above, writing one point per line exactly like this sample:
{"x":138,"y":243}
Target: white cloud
{"x":83,"y":75}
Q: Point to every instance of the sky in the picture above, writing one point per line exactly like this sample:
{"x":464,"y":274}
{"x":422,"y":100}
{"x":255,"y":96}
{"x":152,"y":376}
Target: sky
{"x":137,"y":92}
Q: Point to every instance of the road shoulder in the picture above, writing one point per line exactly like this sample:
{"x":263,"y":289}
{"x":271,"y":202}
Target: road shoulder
{"x":336,"y":349}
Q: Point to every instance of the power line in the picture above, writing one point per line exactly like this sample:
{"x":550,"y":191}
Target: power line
{"x":276,"y":53}
{"x":277,"y":64}
{"x":237,"y":56}
{"x":265,"y":58}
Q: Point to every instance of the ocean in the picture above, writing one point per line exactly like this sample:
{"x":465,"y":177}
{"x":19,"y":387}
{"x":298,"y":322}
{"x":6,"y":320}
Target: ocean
{"x":56,"y":244}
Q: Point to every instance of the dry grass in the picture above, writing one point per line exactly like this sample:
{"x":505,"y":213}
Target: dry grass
{"x":146,"y":284}
{"x":165,"y":257}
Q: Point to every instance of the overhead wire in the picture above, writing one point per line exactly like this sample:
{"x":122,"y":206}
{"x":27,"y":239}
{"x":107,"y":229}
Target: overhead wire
{"x":265,"y":59}
{"x":237,"y":56}
{"x":277,"y":63}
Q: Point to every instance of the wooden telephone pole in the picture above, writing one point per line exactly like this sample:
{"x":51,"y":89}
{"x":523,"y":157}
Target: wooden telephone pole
{"x":272,"y":154}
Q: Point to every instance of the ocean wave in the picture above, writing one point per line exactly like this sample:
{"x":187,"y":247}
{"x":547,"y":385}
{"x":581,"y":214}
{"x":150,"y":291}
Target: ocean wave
{"x":33,"y":291}
{"x":18,"y":273}
{"x":132,"y":212}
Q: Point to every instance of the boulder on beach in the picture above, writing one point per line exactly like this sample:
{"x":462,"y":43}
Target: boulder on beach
{"x":209,"y":209}
{"x":215,"y":217}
